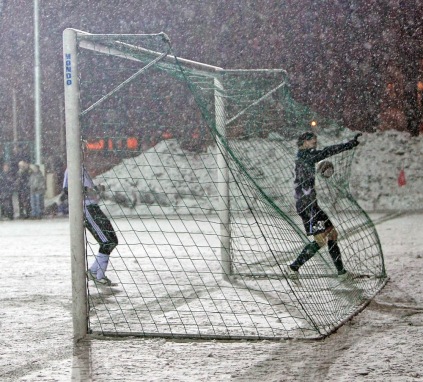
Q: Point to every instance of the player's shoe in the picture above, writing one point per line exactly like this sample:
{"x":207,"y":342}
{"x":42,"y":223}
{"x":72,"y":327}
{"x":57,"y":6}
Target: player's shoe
{"x":344,"y":275}
{"x":91,"y":276}
{"x":293,"y":274}
{"x":103,"y":282}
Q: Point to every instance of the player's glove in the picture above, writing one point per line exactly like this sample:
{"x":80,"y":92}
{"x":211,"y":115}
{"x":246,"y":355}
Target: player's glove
{"x":354,"y":142}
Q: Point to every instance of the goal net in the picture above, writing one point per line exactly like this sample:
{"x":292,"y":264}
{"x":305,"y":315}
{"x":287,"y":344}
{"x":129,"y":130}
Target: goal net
{"x":195,"y":166}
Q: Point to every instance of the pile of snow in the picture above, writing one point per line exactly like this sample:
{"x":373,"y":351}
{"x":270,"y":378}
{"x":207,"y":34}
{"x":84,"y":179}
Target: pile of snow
{"x":161,"y":180}
{"x":377,"y":165}
{"x":166,"y":178}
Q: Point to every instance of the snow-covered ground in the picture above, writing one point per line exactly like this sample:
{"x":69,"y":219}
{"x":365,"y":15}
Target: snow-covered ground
{"x":382,"y":343}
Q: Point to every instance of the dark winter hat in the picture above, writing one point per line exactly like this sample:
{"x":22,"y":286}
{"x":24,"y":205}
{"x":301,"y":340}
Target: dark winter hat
{"x":305,"y":137}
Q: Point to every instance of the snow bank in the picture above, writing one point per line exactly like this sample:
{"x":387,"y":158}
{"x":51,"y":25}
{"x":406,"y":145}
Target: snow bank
{"x":166,"y":178}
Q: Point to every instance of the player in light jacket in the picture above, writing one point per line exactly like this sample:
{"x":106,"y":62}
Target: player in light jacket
{"x":99,"y":226}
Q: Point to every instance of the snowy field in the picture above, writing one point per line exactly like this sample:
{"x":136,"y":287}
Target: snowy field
{"x":382,"y":343}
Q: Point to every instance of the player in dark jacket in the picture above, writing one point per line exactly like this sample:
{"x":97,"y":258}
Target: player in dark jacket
{"x":316,"y":222}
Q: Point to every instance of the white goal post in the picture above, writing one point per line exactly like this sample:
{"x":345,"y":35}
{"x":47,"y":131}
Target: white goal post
{"x":72,"y":39}
{"x":75,"y":195}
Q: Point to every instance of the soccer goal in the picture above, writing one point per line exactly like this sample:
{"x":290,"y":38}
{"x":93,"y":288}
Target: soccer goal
{"x":195,"y":164}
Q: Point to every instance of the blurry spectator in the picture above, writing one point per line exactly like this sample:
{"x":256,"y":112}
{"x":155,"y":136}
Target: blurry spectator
{"x":22,"y":185}
{"x":37,"y":187}
{"x":20,"y":153}
{"x":7,"y":182}
{"x":63,"y":206}
{"x":54,"y":165}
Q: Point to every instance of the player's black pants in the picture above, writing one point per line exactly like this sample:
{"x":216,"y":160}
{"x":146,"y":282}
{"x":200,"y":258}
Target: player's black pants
{"x":101,"y":228}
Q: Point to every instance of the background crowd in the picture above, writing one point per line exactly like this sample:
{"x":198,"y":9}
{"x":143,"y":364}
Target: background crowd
{"x":27,"y":183}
